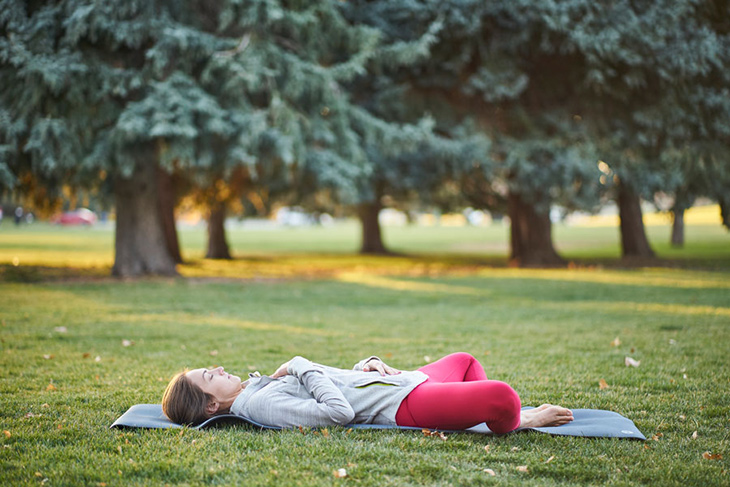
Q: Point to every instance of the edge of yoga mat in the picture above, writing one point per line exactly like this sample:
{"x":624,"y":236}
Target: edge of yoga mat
{"x":589,"y":423}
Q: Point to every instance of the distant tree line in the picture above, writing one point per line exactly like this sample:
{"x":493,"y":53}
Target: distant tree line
{"x":510,"y":106}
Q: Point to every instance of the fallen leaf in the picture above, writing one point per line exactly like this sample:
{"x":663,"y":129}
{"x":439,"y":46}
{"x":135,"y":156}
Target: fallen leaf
{"x":616,"y":342}
{"x":515,"y":448}
{"x":522,"y":468}
{"x":486,"y":448}
{"x":32,"y":415}
{"x":427,"y":432}
{"x":710,"y":456}
{"x":97,"y":359}
{"x":694,"y":435}
{"x":672,"y":341}
{"x":325,"y":433}
{"x":684,"y":376}
{"x":45,"y":405}
{"x":633,"y":349}
{"x":349,"y":430}
{"x":301,"y":430}
{"x":426,"y":358}
{"x":631,"y":362}
{"x":7,"y":433}
{"x":48,"y":357}
{"x":682,"y":417}
{"x":38,"y":474}
{"x":602,"y":384}
{"x":60,"y":329}
{"x":127,"y":343}
{"x":340,"y":473}
{"x":489,"y":471}
{"x":86,"y":355}
{"x":50,"y":387}
{"x":214,"y":353}
{"x":550,"y":459}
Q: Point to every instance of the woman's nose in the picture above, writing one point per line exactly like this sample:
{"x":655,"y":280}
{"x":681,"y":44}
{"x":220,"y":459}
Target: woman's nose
{"x":218,"y":370}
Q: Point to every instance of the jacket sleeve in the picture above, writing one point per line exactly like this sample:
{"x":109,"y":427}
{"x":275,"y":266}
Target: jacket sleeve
{"x":327,"y":406}
{"x":358,"y":366}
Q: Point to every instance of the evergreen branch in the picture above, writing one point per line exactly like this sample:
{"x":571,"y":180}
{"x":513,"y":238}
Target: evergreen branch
{"x":245,"y":40}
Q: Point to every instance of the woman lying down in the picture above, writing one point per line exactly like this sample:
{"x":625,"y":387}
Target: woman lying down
{"x":452,"y":393}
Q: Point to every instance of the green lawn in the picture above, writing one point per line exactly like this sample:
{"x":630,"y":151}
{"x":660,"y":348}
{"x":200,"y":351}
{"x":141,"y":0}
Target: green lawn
{"x":549,"y":333}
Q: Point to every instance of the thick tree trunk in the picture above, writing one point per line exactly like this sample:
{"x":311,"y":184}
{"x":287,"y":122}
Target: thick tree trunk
{"x":633,"y":236}
{"x":678,"y":227}
{"x":217,"y":244}
{"x":372,"y":241}
{"x":531,"y":239}
{"x":140,"y":245}
{"x":166,"y":187}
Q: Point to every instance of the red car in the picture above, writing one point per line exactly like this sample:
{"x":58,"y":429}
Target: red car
{"x":82,"y":216}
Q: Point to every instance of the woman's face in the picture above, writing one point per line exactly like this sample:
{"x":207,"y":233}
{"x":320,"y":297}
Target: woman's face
{"x":216,"y":382}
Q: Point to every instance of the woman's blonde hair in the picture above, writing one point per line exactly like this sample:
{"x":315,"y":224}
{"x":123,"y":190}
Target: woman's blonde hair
{"x":184,"y":402}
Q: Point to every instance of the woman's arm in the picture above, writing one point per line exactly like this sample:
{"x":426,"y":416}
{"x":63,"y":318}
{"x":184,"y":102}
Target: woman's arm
{"x":327,"y":406}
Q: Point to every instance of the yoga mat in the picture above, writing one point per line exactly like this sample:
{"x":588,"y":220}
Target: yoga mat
{"x":590,"y":423}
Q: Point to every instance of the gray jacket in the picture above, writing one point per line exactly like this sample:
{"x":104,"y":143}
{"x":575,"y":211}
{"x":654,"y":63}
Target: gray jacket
{"x":318,"y":395}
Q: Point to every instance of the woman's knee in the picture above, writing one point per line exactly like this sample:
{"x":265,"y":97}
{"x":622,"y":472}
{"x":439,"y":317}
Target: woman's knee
{"x":505,"y":399}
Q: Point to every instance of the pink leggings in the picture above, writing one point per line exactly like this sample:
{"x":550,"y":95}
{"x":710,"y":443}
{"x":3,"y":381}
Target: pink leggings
{"x":458,"y":395}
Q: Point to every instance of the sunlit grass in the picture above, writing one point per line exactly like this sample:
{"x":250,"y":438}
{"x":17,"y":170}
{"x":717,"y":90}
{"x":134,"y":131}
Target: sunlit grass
{"x":326,"y":251}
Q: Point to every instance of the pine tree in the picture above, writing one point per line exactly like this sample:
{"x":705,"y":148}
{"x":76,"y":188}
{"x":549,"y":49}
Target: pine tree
{"x":117,"y":88}
{"x":495,"y":62}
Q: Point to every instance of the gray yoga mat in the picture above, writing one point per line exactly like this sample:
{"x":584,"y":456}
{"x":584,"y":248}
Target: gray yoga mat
{"x":590,"y":423}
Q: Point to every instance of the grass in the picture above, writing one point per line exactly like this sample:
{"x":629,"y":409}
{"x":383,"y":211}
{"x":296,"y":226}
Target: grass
{"x":549,"y":333}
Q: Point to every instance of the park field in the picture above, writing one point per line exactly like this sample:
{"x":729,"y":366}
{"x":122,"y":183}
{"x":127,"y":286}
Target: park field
{"x":78,"y":348}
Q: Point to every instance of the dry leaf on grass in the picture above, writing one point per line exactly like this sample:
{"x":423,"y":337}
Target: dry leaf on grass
{"x":490,"y":472}
{"x":127,"y":343}
{"x":213,"y":353}
{"x":60,"y":329}
{"x":7,"y":433}
{"x":616,"y":342}
{"x":486,"y":448}
{"x":550,"y":459}
{"x":48,"y":357}
{"x":631,"y":362}
{"x":97,"y":358}
{"x":711,"y":456}
{"x":694,"y":435}
{"x":325,"y":433}
{"x":522,"y":468}
{"x":301,"y":430}
{"x":50,"y":387}
{"x":340,"y":473}
{"x":602,"y":384}
{"x":427,"y":432}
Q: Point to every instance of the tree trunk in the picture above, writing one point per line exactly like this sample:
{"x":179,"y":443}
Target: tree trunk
{"x":140,"y":245}
{"x":678,"y":227}
{"x":217,"y":244}
{"x":372,"y":241}
{"x":633,"y":236}
{"x":531,"y":240}
{"x":166,"y":188}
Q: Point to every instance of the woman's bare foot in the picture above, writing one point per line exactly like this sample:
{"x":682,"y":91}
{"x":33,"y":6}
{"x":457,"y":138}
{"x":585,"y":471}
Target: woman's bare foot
{"x":545,"y":415}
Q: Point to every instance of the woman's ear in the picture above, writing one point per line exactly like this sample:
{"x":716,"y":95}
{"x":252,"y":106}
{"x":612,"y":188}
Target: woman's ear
{"x":212,"y":407}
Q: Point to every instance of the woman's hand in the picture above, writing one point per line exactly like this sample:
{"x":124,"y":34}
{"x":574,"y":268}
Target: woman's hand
{"x":375,"y":365}
{"x":281,"y":371}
